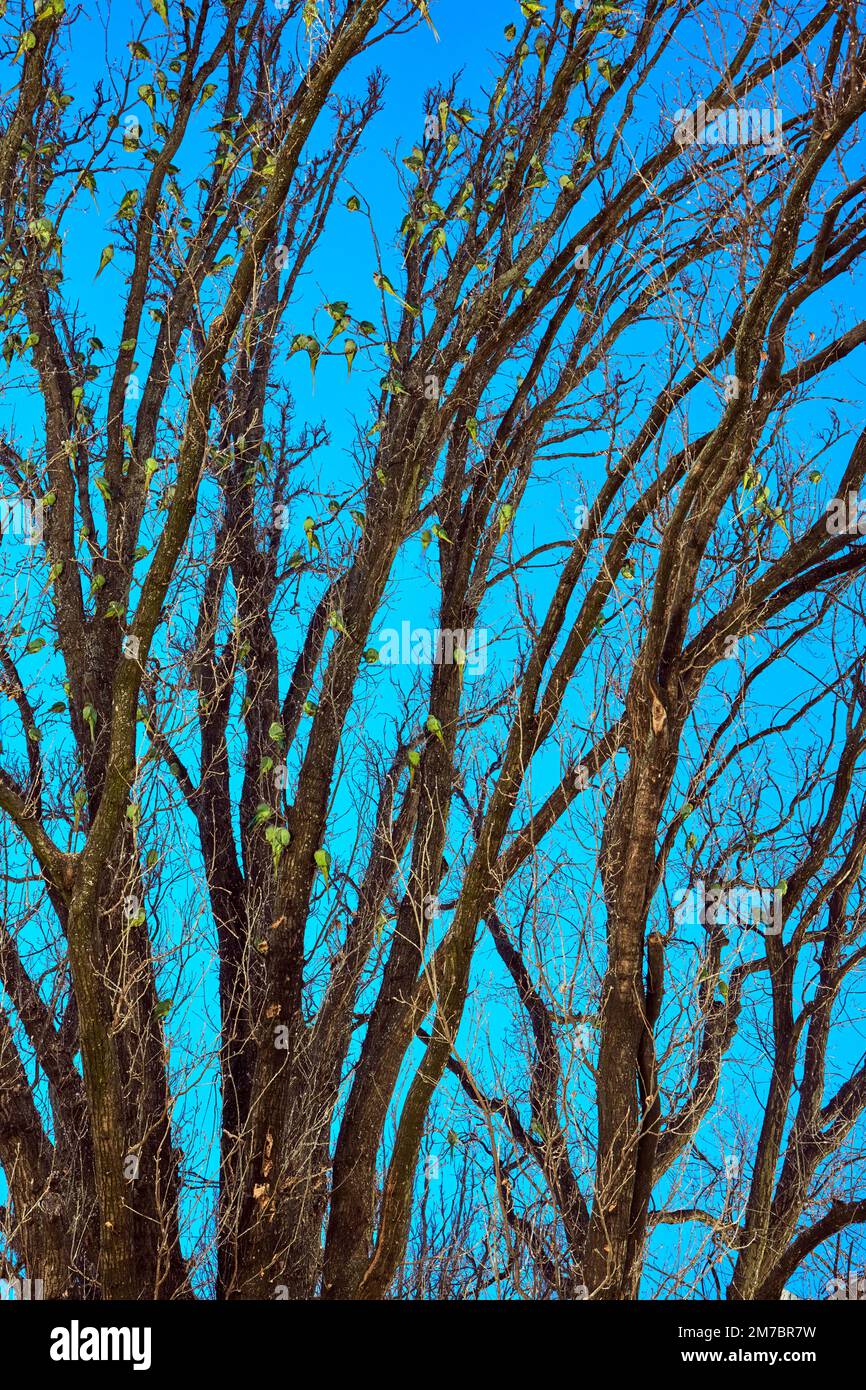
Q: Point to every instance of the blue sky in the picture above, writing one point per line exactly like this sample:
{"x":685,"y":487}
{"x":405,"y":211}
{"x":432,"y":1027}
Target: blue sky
{"x":342,"y":269}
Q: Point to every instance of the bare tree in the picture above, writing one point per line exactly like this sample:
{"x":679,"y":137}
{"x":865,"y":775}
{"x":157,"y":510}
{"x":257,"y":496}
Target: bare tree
{"x":561,"y":864}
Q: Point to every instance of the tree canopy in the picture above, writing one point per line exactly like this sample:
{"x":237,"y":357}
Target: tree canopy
{"x":433,"y":713}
